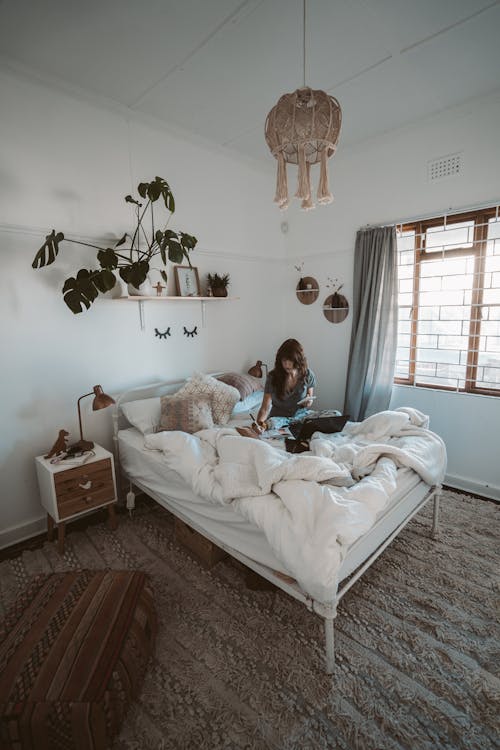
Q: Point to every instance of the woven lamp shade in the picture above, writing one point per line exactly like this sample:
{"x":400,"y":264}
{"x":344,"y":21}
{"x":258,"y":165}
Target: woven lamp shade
{"x":303,"y":128}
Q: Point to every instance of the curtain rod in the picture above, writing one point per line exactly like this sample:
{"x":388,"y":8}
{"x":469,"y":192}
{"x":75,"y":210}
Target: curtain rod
{"x":449,"y":212}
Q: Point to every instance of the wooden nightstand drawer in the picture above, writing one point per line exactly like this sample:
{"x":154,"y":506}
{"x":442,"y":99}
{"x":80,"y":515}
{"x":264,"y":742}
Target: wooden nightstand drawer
{"x":72,"y":505}
{"x":84,"y":487}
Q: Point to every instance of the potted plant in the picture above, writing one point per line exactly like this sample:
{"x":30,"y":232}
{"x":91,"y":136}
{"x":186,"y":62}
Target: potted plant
{"x":337,"y":300}
{"x":302,"y":282}
{"x":218,"y":284}
{"x":133,"y":261}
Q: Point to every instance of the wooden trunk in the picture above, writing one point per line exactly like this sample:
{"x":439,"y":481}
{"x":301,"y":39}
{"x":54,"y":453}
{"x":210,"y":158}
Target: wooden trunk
{"x":203,"y":549}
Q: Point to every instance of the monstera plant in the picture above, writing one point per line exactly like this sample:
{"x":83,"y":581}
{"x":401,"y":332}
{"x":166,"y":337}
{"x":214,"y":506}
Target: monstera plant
{"x":131,"y":255}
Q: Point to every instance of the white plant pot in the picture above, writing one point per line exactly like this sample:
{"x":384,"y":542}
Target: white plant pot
{"x":144,"y":290}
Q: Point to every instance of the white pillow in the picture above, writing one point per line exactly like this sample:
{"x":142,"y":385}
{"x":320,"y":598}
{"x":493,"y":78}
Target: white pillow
{"x":144,"y":414}
{"x":253,"y":401}
{"x":222,"y":397}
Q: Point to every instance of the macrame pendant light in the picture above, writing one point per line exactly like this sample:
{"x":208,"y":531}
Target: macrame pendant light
{"x":303,"y":128}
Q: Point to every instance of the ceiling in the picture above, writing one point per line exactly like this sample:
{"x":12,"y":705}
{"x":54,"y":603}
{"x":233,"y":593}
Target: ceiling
{"x":215,"y":68}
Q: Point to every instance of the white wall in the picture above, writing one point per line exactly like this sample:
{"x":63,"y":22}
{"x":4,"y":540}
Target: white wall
{"x":381,"y":181}
{"x":67,"y":164}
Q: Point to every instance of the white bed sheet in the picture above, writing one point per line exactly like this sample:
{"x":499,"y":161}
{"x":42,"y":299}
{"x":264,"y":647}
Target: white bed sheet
{"x":148,"y":469}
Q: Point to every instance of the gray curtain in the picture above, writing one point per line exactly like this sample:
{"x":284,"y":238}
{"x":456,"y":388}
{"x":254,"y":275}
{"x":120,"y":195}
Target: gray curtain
{"x":372,"y":355}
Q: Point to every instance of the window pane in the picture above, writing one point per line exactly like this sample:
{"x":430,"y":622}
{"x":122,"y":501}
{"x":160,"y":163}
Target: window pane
{"x":456,"y":235}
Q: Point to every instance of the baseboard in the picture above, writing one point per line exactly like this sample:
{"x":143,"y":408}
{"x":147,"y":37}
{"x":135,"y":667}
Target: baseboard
{"x":469,"y":485}
{"x":23,"y":532}
{"x":16,"y":534}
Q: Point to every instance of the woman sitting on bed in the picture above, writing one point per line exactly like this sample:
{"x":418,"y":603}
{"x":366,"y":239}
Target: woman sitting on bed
{"x":289,"y":386}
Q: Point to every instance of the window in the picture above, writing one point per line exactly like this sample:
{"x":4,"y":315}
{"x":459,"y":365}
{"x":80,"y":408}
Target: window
{"x":449,"y":302}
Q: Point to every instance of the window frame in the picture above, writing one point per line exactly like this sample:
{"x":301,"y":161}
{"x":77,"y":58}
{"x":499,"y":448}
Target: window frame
{"x":480,"y":218}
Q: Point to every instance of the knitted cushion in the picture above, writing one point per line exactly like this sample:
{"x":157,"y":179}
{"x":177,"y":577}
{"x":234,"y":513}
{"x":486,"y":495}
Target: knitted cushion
{"x":73,"y":653}
{"x":222,"y":397}
{"x":188,"y":414}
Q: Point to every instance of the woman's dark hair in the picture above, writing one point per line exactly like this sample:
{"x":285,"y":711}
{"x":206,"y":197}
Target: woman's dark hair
{"x":292,"y":350}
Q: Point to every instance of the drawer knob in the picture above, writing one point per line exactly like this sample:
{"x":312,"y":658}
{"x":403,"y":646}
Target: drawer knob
{"x":86,"y":485}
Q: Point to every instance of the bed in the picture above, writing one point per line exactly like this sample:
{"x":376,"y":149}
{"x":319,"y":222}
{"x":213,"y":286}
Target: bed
{"x":311,"y":524}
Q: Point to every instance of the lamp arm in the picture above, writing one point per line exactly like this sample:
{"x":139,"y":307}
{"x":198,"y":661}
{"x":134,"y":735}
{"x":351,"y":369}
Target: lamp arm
{"x":79,"y":412}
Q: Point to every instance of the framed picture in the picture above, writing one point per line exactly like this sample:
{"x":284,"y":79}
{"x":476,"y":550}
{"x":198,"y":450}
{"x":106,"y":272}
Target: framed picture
{"x":187,"y":282}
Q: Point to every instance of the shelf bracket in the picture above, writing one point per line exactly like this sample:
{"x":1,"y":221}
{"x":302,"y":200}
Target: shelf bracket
{"x":203,"y":313}
{"x":142,"y":318}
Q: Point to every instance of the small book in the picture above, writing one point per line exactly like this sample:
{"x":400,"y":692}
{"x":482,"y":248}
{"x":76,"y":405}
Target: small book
{"x":278,"y":432}
{"x":76,"y":460}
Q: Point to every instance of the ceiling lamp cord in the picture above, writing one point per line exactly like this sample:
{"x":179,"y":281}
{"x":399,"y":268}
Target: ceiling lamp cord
{"x":304,"y":44}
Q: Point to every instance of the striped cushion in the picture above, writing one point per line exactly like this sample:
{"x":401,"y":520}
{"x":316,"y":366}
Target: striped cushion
{"x":73,"y":653}
{"x":245,"y":384}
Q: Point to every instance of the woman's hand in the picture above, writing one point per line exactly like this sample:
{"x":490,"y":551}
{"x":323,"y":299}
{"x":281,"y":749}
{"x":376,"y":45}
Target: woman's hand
{"x":259,"y":427}
{"x":307,"y":403}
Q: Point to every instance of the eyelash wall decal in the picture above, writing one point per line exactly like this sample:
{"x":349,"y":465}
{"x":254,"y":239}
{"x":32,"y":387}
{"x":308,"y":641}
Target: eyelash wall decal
{"x":192,"y":333}
{"x":163,"y":335}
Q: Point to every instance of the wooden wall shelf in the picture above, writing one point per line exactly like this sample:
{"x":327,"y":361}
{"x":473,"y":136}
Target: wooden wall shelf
{"x":336,"y":308}
{"x":166,"y":298}
{"x":307,"y":290}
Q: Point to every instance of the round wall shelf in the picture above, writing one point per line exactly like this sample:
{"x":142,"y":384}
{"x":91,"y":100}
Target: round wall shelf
{"x":307,"y":290}
{"x":336,"y":308}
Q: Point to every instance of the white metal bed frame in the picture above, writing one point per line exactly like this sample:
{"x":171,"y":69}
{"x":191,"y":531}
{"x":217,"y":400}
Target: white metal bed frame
{"x":328,"y":611}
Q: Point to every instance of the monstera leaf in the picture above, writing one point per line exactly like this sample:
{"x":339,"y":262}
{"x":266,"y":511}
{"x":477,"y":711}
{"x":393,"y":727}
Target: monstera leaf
{"x":80,"y":292}
{"x":108,"y":258}
{"x":153,"y":190}
{"x":136,"y":273}
{"x":175,"y":245}
{"x":49,"y":250}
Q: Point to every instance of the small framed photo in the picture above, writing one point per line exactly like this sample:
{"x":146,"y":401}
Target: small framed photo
{"x":187,"y":282}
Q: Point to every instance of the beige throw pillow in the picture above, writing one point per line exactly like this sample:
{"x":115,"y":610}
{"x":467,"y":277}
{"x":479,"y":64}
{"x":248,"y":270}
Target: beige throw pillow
{"x":188,"y":414}
{"x":222,"y":397}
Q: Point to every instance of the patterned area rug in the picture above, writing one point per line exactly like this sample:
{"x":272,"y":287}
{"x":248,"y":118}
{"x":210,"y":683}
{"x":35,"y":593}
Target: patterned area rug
{"x":236,"y":668}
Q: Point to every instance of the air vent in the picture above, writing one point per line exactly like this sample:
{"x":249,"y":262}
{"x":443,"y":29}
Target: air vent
{"x":444,"y":167}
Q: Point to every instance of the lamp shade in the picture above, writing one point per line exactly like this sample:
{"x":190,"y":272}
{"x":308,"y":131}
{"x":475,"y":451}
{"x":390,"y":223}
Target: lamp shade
{"x":256,"y":369}
{"x":101,"y":399}
{"x":303,"y":128}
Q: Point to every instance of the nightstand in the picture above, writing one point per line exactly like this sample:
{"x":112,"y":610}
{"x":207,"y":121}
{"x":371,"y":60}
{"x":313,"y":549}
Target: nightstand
{"x":68,"y":492}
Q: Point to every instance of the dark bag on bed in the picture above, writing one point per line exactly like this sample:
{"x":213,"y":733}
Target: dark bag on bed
{"x":296,"y":446}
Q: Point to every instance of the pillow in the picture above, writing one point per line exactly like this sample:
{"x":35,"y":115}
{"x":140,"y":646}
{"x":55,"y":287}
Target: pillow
{"x":188,"y":414}
{"x":245,"y":384}
{"x":251,"y":402}
{"x":144,"y":414}
{"x":222,"y":397}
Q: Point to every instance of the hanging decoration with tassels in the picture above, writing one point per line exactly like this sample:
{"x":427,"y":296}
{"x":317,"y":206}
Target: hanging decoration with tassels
{"x":303,"y":128}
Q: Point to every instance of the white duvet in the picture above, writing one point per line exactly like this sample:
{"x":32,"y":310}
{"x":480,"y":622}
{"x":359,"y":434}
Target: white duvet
{"x":311,"y":506}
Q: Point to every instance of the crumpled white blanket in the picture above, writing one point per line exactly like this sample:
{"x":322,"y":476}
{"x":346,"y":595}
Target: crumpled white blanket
{"x":309,"y":505}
